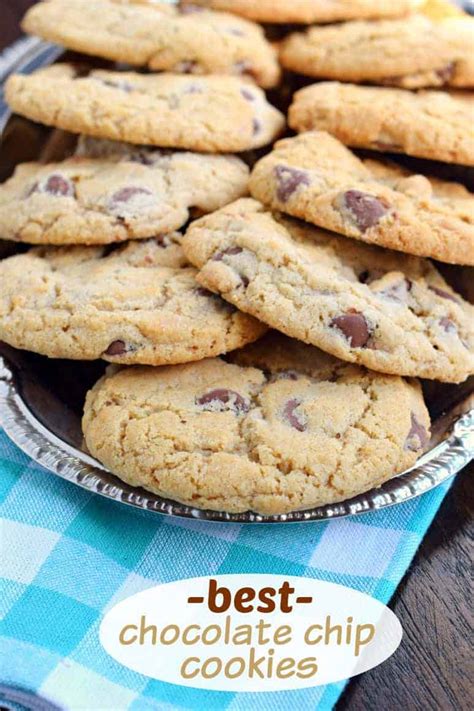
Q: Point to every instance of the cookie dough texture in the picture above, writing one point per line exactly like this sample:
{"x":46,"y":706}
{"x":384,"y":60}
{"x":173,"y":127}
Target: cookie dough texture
{"x":309,"y":11}
{"x":413,"y":52}
{"x":282,"y":427}
{"x":123,"y":192}
{"x":427,"y":124}
{"x":316,"y":178}
{"x":381,"y":309}
{"x":215,"y":114}
{"x":157,"y":35}
{"x":138,"y":303}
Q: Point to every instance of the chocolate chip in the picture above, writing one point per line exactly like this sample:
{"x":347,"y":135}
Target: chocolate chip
{"x":354,"y":327}
{"x":229,"y":251}
{"x":417,"y":437}
{"x":448,"y":325}
{"x":298,"y":422}
{"x":216,"y":299}
{"x":163,"y":241}
{"x":397,"y":292}
{"x":149,"y":157}
{"x":120,"y":84}
{"x":284,"y":375}
{"x":444,"y":294}
{"x":247,"y":95}
{"x":256,"y":126}
{"x":126,"y":194}
{"x":245,"y":68}
{"x":186,"y":66}
{"x":55,"y":185}
{"x":222,"y":400}
{"x":201,"y":291}
{"x":366,"y":210}
{"x":289,"y":180}
{"x":189,"y":8}
{"x":116,"y":348}
{"x":446,"y":73}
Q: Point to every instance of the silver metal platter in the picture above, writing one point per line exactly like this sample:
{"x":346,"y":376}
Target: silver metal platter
{"x":41,"y":399}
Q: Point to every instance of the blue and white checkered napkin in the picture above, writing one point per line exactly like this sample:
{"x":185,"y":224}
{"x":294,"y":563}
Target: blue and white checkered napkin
{"x":69,"y":555}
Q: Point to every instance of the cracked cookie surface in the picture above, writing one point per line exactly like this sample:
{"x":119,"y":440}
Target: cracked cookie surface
{"x":158,"y":35}
{"x":136,"y":303}
{"x":309,"y":11}
{"x":281,"y":427}
{"x":426,"y":124}
{"x":387,"y":311}
{"x":315,"y":177}
{"x":212,"y":114}
{"x":112,"y":192}
{"x":411,"y":53}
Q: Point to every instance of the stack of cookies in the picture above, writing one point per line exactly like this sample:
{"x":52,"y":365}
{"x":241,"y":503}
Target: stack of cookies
{"x":150,"y":253}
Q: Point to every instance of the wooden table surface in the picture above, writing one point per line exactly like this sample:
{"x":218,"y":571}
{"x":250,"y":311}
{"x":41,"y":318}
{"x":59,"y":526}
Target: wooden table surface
{"x":433,"y":668}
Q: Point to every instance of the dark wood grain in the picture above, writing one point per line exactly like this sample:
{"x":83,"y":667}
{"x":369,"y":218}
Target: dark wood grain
{"x":433,"y":668}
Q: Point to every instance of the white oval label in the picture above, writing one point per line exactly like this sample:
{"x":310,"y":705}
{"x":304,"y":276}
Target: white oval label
{"x":250,"y":632}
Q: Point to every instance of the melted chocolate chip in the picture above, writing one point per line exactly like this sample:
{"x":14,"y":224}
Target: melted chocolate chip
{"x":256,"y":126}
{"x":289,"y":180}
{"x":397,"y":292}
{"x":448,"y":325}
{"x":122,"y":85}
{"x":296,"y":421}
{"x":446,"y":73}
{"x":116,"y":348}
{"x":354,"y":327}
{"x":186,"y":66}
{"x":417,"y":437}
{"x":284,"y":375}
{"x":189,"y":8}
{"x":245,"y":68}
{"x":444,"y":294}
{"x":163,"y":241}
{"x":222,"y":400}
{"x":201,"y":291}
{"x":55,"y":185}
{"x":247,"y":95}
{"x":366,"y":210}
{"x":126,"y":194}
{"x":229,"y":251}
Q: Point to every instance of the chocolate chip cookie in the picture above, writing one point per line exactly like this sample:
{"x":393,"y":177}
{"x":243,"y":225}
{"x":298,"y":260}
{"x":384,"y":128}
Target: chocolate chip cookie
{"x":282,"y":427}
{"x":113,"y":192}
{"x":426,"y":124}
{"x":316,"y":178}
{"x":413,"y":52}
{"x":158,"y":35}
{"x":387,"y":311}
{"x":213,"y":114}
{"x":135,"y":303}
{"x":309,"y":11}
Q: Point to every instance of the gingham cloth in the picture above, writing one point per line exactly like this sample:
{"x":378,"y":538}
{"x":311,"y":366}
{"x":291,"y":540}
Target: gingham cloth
{"x":69,"y":555}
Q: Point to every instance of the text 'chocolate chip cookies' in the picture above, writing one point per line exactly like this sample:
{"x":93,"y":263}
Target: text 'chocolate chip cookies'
{"x":212,"y":114}
{"x":316,"y":178}
{"x":382,"y":309}
{"x":139,"y":303}
{"x":159,"y":35}
{"x":112,"y":192}
{"x":280,"y":428}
